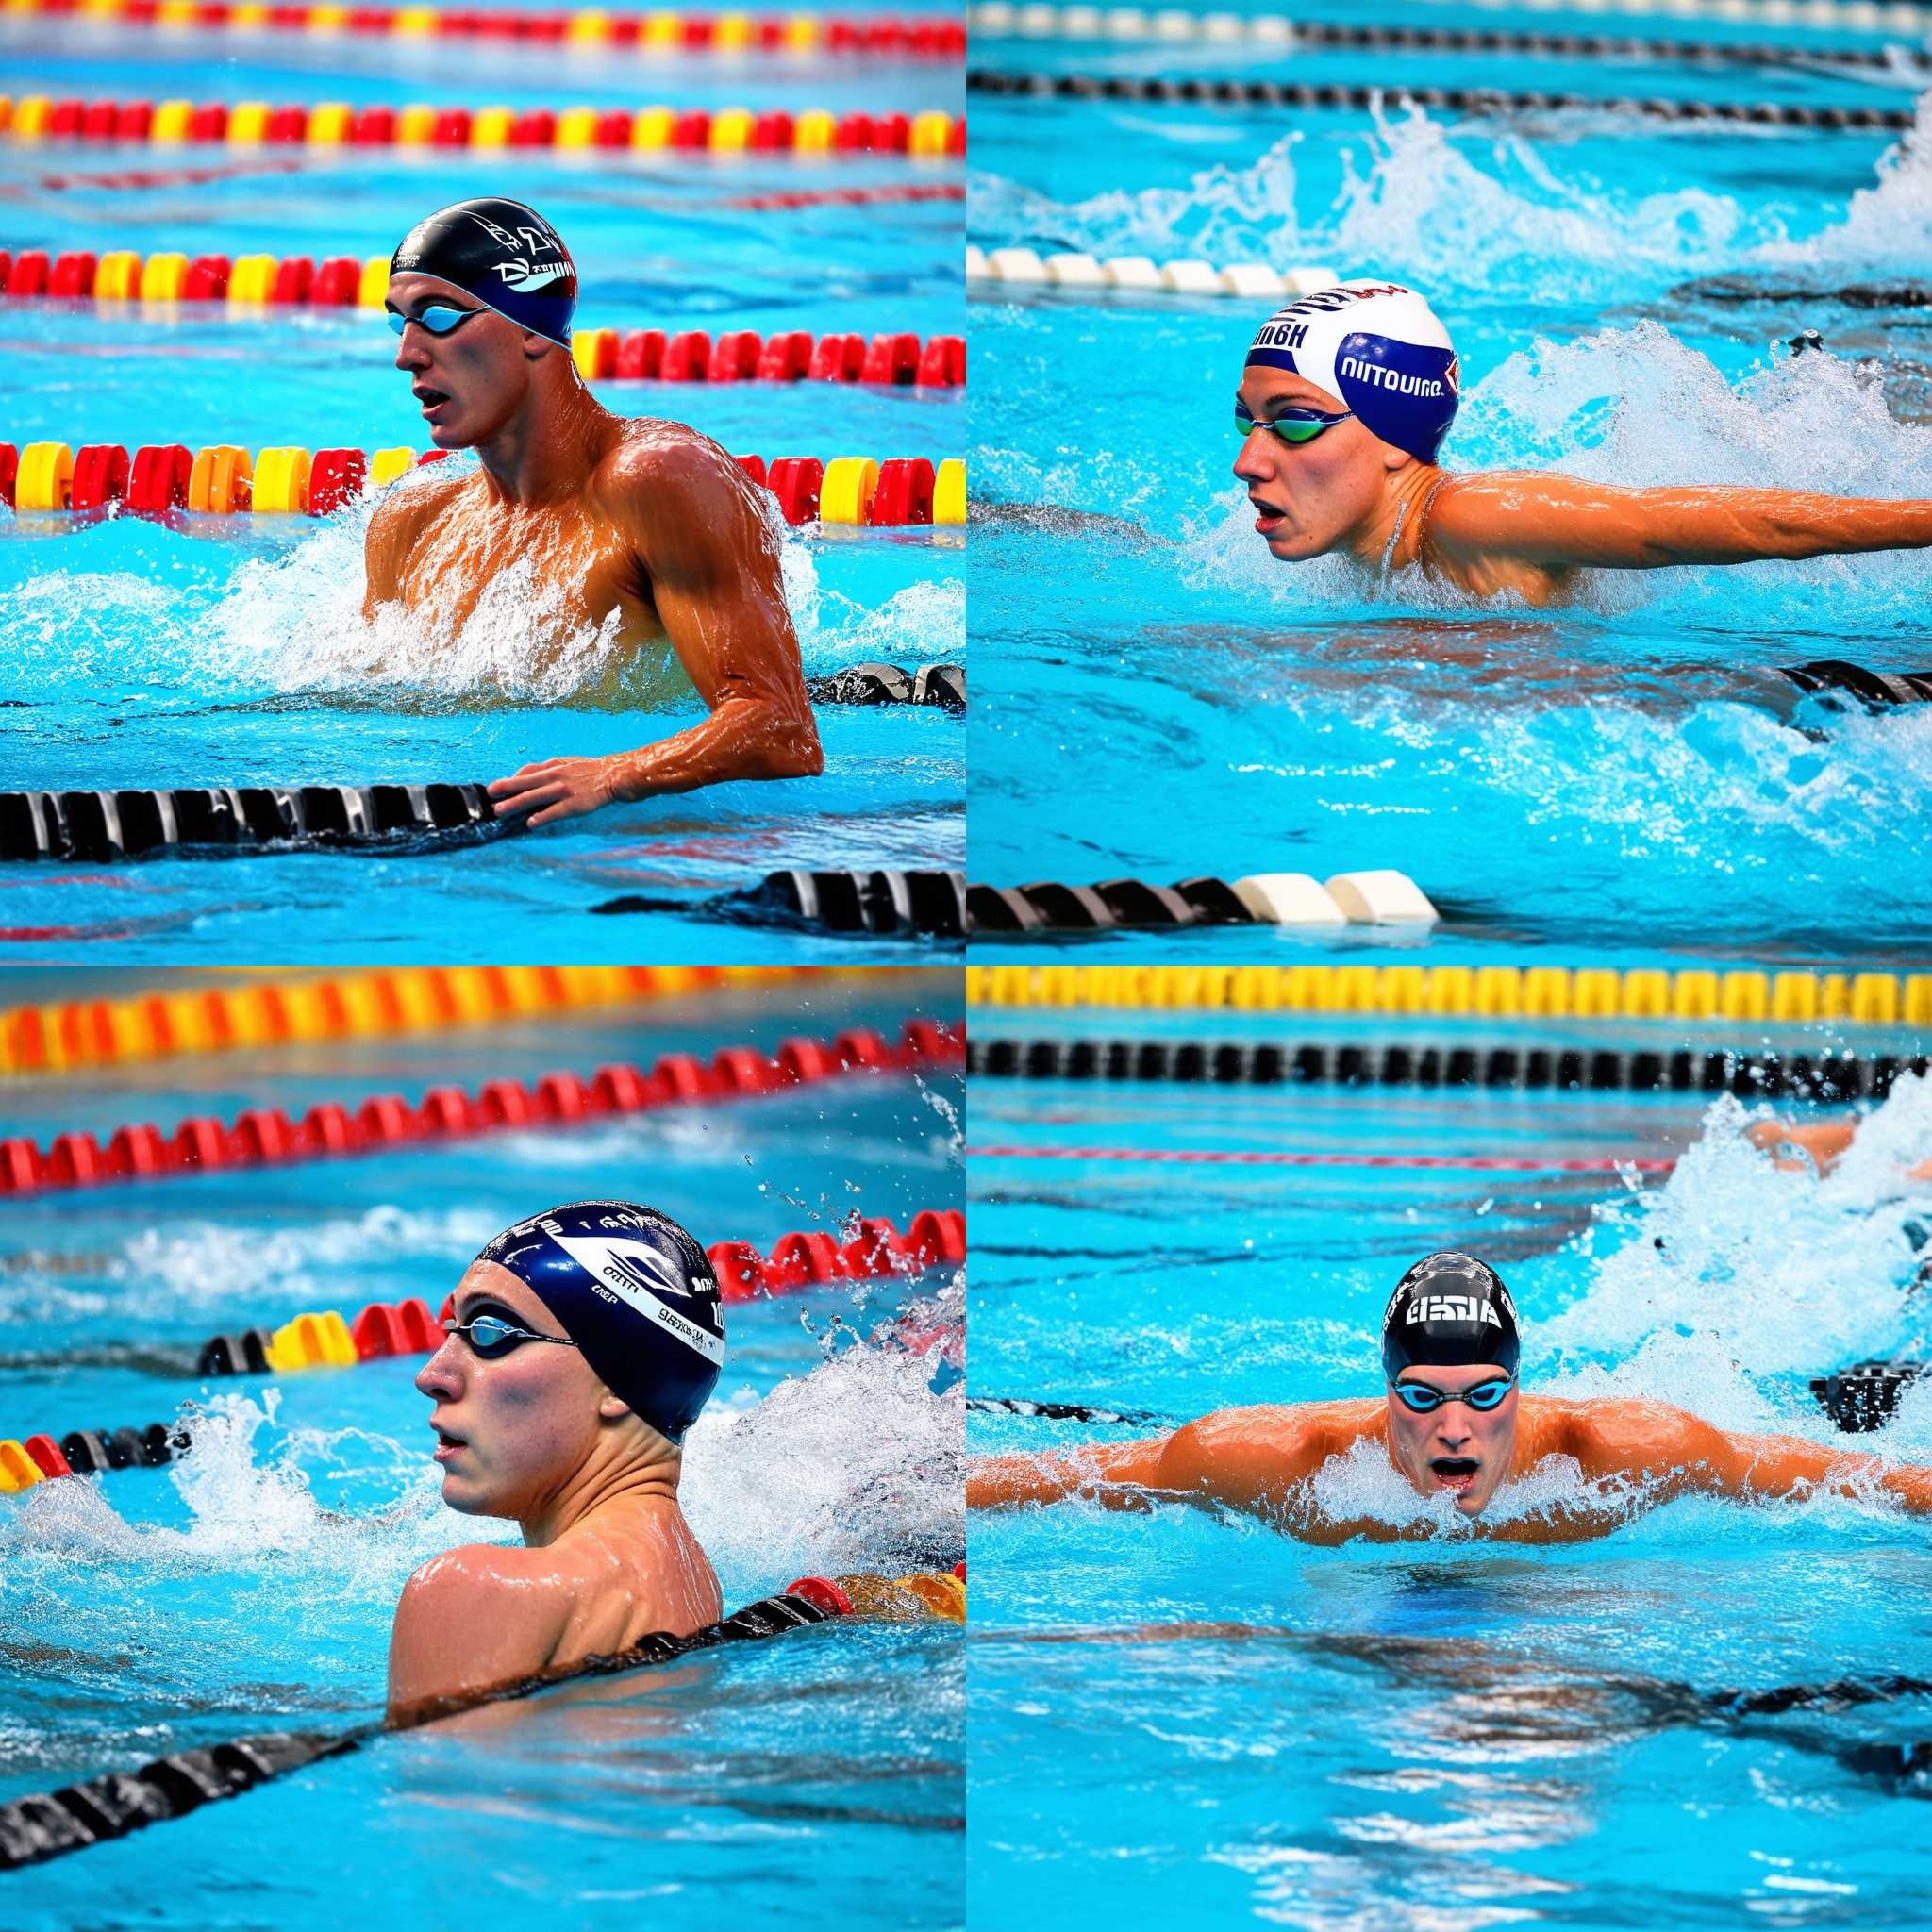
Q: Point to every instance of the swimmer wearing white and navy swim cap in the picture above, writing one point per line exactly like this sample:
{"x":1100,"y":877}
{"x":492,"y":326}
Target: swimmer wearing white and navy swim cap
{"x":1344,"y":402}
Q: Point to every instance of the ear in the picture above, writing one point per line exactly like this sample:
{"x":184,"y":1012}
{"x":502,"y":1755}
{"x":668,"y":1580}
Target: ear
{"x":1393,"y":458}
{"x":611,"y":1408}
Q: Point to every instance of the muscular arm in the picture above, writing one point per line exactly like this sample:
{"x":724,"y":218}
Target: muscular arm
{"x":1559,"y":521}
{"x":469,"y":1621}
{"x":1694,"y":1456}
{"x":712,"y":562}
{"x":1238,"y":1459}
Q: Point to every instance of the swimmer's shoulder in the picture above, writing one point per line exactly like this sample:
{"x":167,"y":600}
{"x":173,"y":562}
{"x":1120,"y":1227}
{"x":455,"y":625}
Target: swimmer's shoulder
{"x":1614,"y":1433}
{"x":1280,"y":1428}
{"x":662,"y":469}
{"x":473,"y":1619}
{"x":402,"y":513}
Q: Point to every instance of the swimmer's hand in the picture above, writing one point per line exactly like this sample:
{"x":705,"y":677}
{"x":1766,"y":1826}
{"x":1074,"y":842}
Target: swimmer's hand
{"x":557,"y":788}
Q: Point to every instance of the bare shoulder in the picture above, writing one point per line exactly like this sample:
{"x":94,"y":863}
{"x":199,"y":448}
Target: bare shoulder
{"x":493,"y":1580}
{"x":660,"y":458}
{"x":1275,"y":1428}
{"x":1621,"y":1431}
{"x":405,"y":509}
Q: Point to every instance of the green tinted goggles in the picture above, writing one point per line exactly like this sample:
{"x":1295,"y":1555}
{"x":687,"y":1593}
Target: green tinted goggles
{"x":1295,"y":427}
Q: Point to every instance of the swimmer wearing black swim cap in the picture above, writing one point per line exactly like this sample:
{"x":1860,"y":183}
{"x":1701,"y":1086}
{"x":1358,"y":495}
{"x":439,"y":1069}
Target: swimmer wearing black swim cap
{"x":587,"y":531}
{"x":1345,"y":400}
{"x":1452,"y":1423}
{"x":582,"y":1346}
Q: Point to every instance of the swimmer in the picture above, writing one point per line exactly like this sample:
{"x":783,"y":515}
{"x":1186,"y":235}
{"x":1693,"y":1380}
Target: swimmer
{"x":1454,"y":1424}
{"x":1343,"y":405}
{"x":1814,"y":1147}
{"x":633,"y":521}
{"x":582,"y":1346}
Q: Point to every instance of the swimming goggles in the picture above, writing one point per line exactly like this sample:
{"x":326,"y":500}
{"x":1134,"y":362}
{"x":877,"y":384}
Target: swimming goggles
{"x":1420,"y":1398}
{"x":439,"y":318}
{"x":491,"y":1337}
{"x":1292,"y":425}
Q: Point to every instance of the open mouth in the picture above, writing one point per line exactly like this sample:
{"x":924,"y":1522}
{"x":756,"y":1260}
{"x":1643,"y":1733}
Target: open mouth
{"x":1270,"y":519}
{"x":433,"y":400}
{"x":446,"y":1444}
{"x":1455,"y":1472}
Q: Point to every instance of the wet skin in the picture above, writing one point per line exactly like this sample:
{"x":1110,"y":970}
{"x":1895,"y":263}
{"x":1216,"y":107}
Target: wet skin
{"x":1519,"y":533}
{"x":608,"y":1557}
{"x":639,"y":520}
{"x":1260,"y":1461}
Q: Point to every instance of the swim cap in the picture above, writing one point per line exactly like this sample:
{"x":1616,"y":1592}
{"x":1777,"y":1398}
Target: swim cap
{"x":1448,"y":1311}
{"x":506,"y":254}
{"x":1379,"y":347}
{"x":635,"y":1293}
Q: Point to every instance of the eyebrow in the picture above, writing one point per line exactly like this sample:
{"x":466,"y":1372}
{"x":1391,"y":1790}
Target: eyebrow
{"x":1279,"y":402}
{"x":472,"y":1299}
{"x":417,"y":307}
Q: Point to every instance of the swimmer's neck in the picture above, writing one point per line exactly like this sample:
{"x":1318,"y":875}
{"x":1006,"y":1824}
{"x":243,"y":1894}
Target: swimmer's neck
{"x":545,"y":452}
{"x":1390,"y":538}
{"x":615,"y":1481}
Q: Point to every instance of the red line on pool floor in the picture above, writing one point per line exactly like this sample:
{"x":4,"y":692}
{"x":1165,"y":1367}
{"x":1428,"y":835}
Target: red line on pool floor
{"x":1230,"y":1157}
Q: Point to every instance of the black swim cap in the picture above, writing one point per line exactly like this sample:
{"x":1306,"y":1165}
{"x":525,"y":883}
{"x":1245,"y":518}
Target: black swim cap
{"x":635,"y":1293}
{"x":1449,"y":1311}
{"x":506,"y":254}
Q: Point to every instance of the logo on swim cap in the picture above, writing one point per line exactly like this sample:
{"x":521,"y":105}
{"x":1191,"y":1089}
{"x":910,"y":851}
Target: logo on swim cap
{"x":1452,"y":1308}
{"x":1449,"y":1311}
{"x":1378,"y":349}
{"x":608,"y":1271}
{"x":504,"y":254}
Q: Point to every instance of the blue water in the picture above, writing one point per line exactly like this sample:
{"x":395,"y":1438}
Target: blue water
{"x":1179,"y":1718}
{"x":1623,"y":774}
{"x":232,"y":651}
{"x":250,"y":1585}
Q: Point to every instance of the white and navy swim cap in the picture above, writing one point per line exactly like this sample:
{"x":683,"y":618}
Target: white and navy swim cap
{"x":506,"y":254}
{"x":637,"y":1296}
{"x":1451,"y":1311}
{"x":1378,"y":347}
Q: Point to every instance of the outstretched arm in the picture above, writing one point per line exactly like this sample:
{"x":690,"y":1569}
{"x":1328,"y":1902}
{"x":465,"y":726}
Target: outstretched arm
{"x":715,"y":578}
{"x":1116,"y":1475}
{"x":1560,"y":522}
{"x":1690,"y":1455}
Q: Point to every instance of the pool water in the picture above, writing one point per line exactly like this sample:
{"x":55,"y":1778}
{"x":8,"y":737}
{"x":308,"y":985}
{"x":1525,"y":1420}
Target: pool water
{"x":232,"y":650}
{"x":1189,"y":1718}
{"x":1629,"y":771}
{"x":249,"y":1586}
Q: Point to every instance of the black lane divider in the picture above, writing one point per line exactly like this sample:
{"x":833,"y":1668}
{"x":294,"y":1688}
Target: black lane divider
{"x":888,"y":684}
{"x":45,"y":1824}
{"x":1231,"y":1063}
{"x":1879,"y":689}
{"x":901,"y":904}
{"x":1111,"y":905}
{"x":1862,"y":1397}
{"x":1061,"y":1412}
{"x":1470,"y":100}
{"x":100,"y":827}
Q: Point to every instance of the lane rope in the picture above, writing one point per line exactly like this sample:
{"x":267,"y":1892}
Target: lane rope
{"x":271,"y":1137}
{"x":653,"y":35}
{"x":1140,"y":274}
{"x":226,"y":480}
{"x":1502,"y":991}
{"x":63,"y":1036}
{"x":1164,"y":92}
{"x":1031,"y":20}
{"x":943,"y":685}
{"x":324,"y":1339}
{"x":890,"y":904}
{"x":1749,"y":1074}
{"x":46,"y":1825}
{"x":811,"y":134}
{"x":1275,"y":898}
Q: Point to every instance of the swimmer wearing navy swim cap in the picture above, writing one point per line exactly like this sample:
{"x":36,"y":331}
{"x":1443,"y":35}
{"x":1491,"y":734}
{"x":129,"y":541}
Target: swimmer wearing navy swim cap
{"x":1346,"y":400}
{"x":582,"y":1346}
{"x":1451,"y":1421}
{"x":584,"y":528}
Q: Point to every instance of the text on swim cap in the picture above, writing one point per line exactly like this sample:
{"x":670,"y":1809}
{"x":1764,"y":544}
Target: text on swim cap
{"x":1388,"y":379}
{"x":1282,"y":335}
{"x":1451,"y":1307}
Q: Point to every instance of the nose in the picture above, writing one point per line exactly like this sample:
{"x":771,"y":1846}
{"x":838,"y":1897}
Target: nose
{"x":1256,"y":463}
{"x":412,"y":348}
{"x":1454,"y":1431}
{"x":440,"y":1377}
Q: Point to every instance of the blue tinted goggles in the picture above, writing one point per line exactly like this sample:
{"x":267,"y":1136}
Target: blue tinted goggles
{"x":1292,"y":425}
{"x":438,"y":318}
{"x":1422,"y":1398}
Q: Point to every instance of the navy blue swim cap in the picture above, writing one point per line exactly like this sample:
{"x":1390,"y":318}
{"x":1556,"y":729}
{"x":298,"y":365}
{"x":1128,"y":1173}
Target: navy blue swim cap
{"x":1450,"y":1311}
{"x":506,"y":254}
{"x":635,"y":1293}
{"x":1379,"y":349}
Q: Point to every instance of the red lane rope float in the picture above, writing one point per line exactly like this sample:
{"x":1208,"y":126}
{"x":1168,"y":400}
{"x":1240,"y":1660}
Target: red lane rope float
{"x":814,"y":133}
{"x":269,"y":1137}
{"x":657,"y":33}
{"x":1186,"y":1157}
{"x":226,"y":479}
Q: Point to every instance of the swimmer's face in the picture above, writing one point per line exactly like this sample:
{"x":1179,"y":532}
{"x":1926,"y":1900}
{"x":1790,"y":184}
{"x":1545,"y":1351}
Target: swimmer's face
{"x":511,"y":1432}
{"x":1455,"y":1449}
{"x":472,"y":380}
{"x":1313,"y":497}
